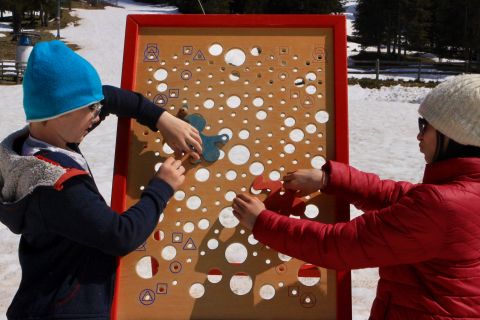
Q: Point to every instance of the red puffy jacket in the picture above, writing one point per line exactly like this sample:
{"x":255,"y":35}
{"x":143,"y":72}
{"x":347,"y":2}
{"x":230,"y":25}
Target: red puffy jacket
{"x":424,"y":237}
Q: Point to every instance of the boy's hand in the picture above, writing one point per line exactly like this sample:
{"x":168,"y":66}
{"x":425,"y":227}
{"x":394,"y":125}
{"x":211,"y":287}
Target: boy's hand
{"x":172,"y":172}
{"x":247,"y":209}
{"x":180,"y":136}
{"x":305,"y":181}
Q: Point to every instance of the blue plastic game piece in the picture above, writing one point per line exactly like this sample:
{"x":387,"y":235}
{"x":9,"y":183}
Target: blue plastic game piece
{"x":211,"y":144}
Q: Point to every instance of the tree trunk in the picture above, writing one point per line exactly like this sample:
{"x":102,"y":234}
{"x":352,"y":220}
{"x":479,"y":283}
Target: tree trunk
{"x":395,"y":43}
{"x":41,"y":14}
{"x":17,"y":20}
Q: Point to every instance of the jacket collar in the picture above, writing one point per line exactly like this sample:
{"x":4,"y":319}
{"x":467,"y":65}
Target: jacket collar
{"x":20,"y":175}
{"x":452,"y":169}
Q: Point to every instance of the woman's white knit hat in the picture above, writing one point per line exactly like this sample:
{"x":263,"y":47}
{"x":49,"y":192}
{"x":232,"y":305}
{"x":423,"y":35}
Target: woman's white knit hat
{"x":453,"y":108}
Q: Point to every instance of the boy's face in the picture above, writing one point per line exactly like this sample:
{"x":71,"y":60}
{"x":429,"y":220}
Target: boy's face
{"x":74,"y":126}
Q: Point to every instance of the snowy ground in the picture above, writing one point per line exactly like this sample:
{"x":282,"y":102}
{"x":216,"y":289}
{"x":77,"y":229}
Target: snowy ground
{"x":383,"y":128}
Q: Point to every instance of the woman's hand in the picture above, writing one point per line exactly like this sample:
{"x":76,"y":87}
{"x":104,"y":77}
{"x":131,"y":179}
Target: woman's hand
{"x":304,"y":181}
{"x":172,"y":172}
{"x":180,"y":136}
{"x":247,"y":208}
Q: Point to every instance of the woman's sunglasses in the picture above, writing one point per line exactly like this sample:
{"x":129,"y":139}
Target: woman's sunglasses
{"x":422,"y":125}
{"x":95,"y":108}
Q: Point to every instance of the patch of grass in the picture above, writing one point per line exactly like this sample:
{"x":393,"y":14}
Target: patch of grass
{"x":89,"y":5}
{"x":7,"y":47}
{"x":8,"y":43}
{"x":65,"y":19}
{"x":377,"y":84}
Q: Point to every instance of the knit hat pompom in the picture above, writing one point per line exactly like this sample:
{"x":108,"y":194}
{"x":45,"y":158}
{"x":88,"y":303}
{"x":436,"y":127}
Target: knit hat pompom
{"x":453,"y":108}
{"x":58,"y":81}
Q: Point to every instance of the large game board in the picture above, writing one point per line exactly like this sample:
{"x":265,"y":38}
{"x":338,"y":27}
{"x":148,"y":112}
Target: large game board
{"x":268,"y":93}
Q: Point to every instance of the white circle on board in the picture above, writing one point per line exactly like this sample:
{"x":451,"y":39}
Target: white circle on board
{"x":144,"y":267}
{"x":310,"y":89}
{"x":284,"y":257}
{"x":214,"y":275}
{"x":209,"y":104}
{"x":226,"y":131}
{"x":239,"y":155}
{"x":241,"y":284}
{"x":160,"y":74}
{"x":234,"y":76}
{"x":179,"y":195}
{"x":255,"y":191}
{"x":311,"y":76}
{"x":197,"y":290}
{"x":296,"y":135}
{"x":256,"y":168}
{"x":202,"y":175}
{"x":309,"y":275}
{"x":166,"y":148}
{"x":203,"y":224}
{"x":169,"y":252}
{"x":194,"y":202}
{"x":274,"y":175}
{"x":251,"y":239}
{"x":215,"y":49}
{"x":243,"y":134}
{"x":317,"y":162}
{"x":299,"y":82}
{"x":311,"y":211}
{"x":289,"y":148}
{"x":236,"y":253}
{"x":212,"y":244}
{"x":159,"y":235}
{"x":234,"y":102}
{"x":235,"y":57}
{"x":188,"y":227}
{"x":231,"y":175}
{"x":261,"y":115}
{"x":289,"y":122}
{"x":227,"y":219}
{"x":230,"y":195}
{"x":162,"y":87}
{"x":255,"y":51}
{"x":321,"y":116}
{"x":311,"y":128}
{"x":258,"y":102}
{"x":267,"y":292}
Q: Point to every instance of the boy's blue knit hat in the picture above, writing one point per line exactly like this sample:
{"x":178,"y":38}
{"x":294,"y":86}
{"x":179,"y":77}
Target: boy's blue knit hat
{"x":58,"y":81}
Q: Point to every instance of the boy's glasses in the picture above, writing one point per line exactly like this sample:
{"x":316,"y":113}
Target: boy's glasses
{"x":422,"y":125}
{"x":95,"y":108}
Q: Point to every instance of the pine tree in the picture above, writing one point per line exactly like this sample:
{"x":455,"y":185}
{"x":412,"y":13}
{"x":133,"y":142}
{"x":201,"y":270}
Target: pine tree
{"x":369,"y":24}
{"x":455,"y":29}
{"x":210,"y":6}
{"x":418,"y":20}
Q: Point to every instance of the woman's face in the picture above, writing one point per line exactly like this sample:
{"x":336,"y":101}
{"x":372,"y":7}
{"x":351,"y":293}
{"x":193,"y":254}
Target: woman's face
{"x":428,"y":140}
{"x":74,"y":126}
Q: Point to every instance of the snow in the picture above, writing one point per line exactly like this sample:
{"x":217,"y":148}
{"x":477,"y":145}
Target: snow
{"x":382,"y":124}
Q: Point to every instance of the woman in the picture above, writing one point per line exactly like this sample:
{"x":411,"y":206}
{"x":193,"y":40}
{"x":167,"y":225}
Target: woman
{"x":424,"y":237}
{"x":70,"y":237}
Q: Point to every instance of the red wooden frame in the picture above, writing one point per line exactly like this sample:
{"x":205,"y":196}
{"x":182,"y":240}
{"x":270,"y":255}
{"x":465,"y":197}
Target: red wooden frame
{"x":335,"y":22}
